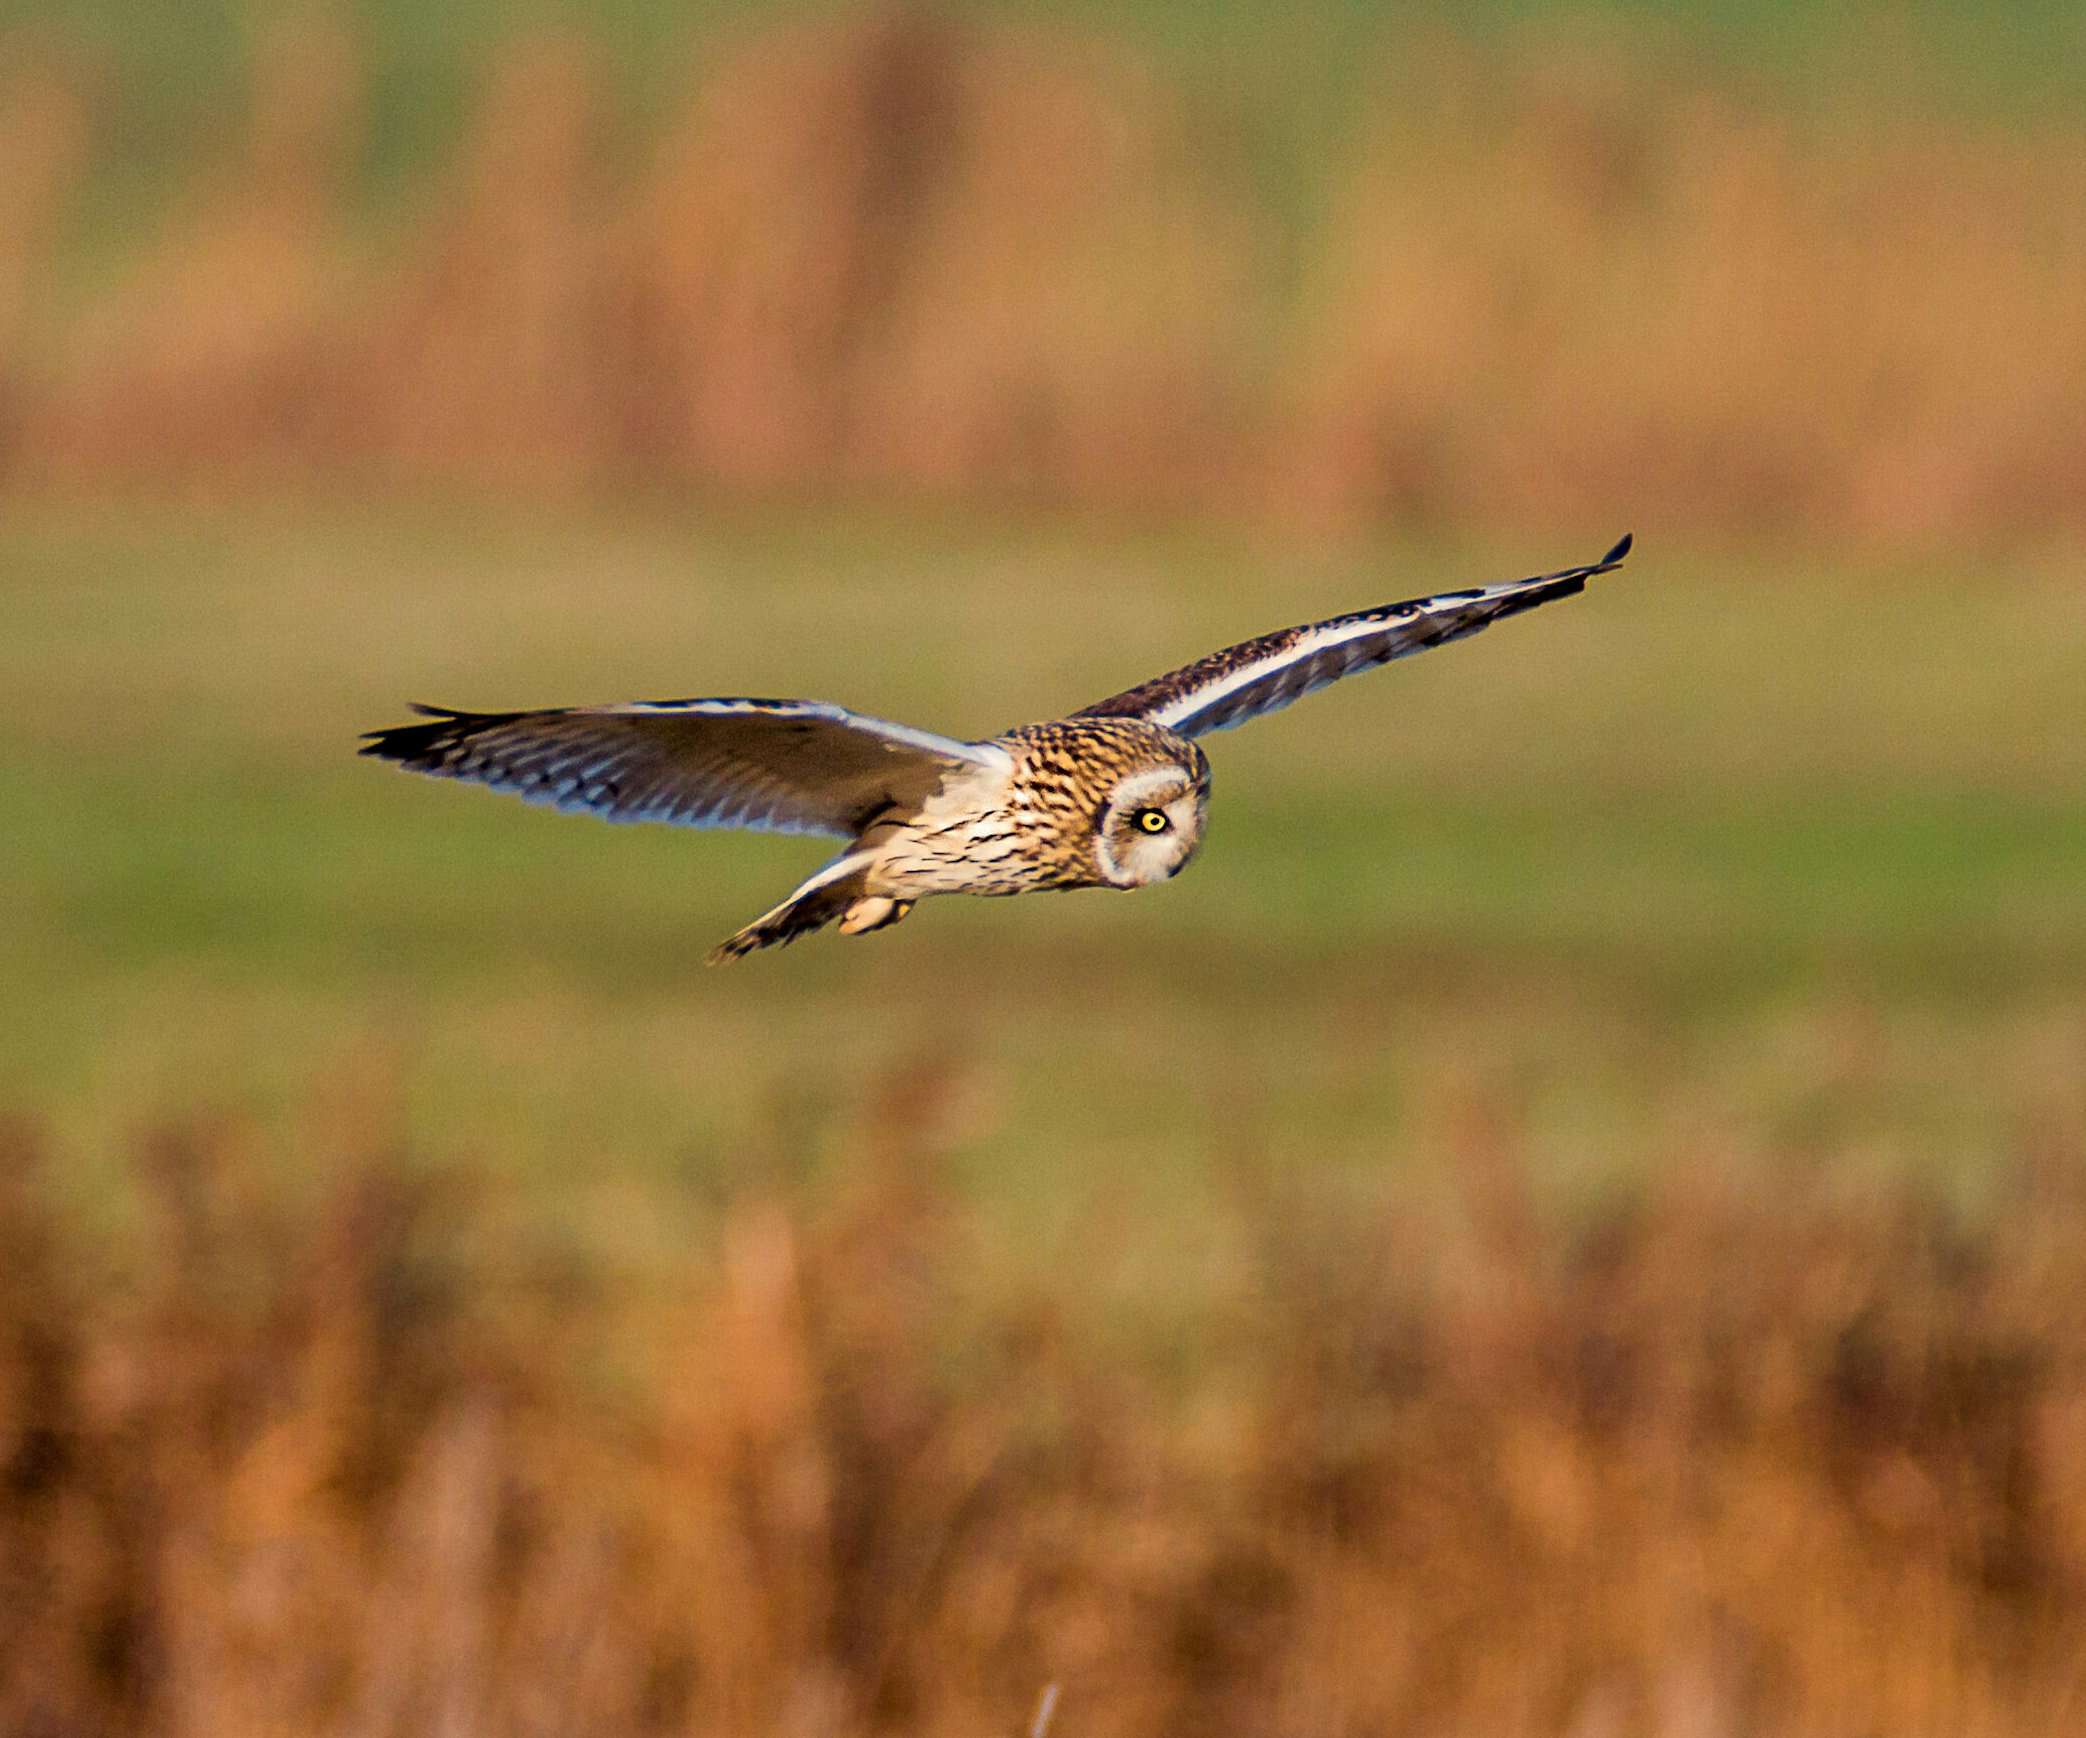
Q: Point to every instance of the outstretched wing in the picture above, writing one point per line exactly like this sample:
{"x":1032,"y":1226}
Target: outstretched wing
{"x":1267,"y":674}
{"x":787,"y":766}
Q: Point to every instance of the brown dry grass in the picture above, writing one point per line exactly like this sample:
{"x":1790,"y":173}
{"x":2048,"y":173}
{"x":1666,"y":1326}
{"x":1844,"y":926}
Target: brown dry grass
{"x":902,"y":254}
{"x":1722,"y":1459}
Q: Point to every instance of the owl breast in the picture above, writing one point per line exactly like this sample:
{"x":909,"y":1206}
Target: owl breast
{"x":978,"y":835}
{"x":1031,"y":829}
{"x":988,"y":853}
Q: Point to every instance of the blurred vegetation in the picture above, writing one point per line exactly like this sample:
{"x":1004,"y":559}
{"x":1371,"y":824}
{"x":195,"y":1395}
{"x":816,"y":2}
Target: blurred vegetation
{"x":1527,"y":275}
{"x":1567,"y":1221}
{"x":381,"y":1463}
{"x":172,"y":67}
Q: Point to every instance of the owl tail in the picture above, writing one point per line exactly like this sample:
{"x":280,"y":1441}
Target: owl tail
{"x":834,"y":892}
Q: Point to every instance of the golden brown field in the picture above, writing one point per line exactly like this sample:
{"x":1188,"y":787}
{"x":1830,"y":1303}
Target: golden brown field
{"x":1713,"y":1460}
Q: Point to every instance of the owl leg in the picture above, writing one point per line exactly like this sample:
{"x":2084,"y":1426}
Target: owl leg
{"x":873,"y":913}
{"x":835,"y":892}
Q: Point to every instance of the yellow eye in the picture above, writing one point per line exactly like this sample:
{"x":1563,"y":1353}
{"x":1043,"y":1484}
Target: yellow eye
{"x":1153,"y":820}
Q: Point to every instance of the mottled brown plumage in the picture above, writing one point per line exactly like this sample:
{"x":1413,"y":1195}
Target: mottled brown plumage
{"x":1114,"y":796}
{"x":1064,"y":773}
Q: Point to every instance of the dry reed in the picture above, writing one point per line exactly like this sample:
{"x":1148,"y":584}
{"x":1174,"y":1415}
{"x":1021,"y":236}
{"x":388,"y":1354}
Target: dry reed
{"x":1720,"y":1459}
{"x":902,"y":254}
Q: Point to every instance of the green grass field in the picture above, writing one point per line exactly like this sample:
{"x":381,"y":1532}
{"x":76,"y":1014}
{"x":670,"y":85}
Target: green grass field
{"x":1732,"y":846}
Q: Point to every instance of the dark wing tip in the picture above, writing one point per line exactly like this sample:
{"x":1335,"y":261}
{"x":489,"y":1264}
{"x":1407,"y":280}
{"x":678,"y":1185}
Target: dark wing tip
{"x":405,"y":743}
{"x":416,"y":745}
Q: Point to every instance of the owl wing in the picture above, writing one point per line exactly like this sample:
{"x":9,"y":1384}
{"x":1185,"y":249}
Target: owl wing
{"x":788,"y":766}
{"x":1267,"y":674}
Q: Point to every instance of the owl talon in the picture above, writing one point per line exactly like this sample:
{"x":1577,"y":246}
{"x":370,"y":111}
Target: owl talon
{"x":868,"y":914}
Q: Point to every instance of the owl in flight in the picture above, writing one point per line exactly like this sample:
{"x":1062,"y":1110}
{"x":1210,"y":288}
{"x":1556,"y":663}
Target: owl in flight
{"x":1113,"y":796}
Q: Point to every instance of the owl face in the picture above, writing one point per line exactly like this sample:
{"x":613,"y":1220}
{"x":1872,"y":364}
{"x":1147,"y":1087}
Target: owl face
{"x":1150,"y":826}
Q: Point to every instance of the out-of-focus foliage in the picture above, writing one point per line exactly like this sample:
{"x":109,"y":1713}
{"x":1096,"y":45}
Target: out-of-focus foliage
{"x":1569,"y":1219}
{"x":1507,"y":278}
{"x":1697,"y":1465}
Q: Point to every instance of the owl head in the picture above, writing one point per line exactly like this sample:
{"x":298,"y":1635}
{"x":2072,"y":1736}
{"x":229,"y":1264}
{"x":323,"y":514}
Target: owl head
{"x":1151,"y":824}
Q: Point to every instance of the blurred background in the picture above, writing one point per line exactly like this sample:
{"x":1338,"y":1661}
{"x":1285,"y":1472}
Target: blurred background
{"x":1571,"y":1220}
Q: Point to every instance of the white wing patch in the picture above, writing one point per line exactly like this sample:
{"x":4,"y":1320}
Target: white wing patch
{"x":984,"y":754}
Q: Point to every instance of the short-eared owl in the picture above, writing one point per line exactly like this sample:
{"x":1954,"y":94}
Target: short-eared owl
{"x":1113,"y":796}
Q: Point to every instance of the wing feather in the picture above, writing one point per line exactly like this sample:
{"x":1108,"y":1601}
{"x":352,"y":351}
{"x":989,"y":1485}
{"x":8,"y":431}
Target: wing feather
{"x":789,"y":766}
{"x":1266,"y":674}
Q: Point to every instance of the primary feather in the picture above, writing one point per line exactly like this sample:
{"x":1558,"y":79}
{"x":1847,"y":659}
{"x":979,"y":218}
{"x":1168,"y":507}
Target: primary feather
{"x":1268,"y":673}
{"x":786,"y":766}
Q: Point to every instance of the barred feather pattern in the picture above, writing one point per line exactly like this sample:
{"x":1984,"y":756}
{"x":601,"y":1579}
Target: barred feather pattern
{"x":784,"y":766}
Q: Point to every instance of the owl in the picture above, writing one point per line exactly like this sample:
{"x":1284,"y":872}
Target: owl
{"x":1115,"y":795}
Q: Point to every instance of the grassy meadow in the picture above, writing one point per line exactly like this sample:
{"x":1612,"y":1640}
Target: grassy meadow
{"x":1628,"y":860}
